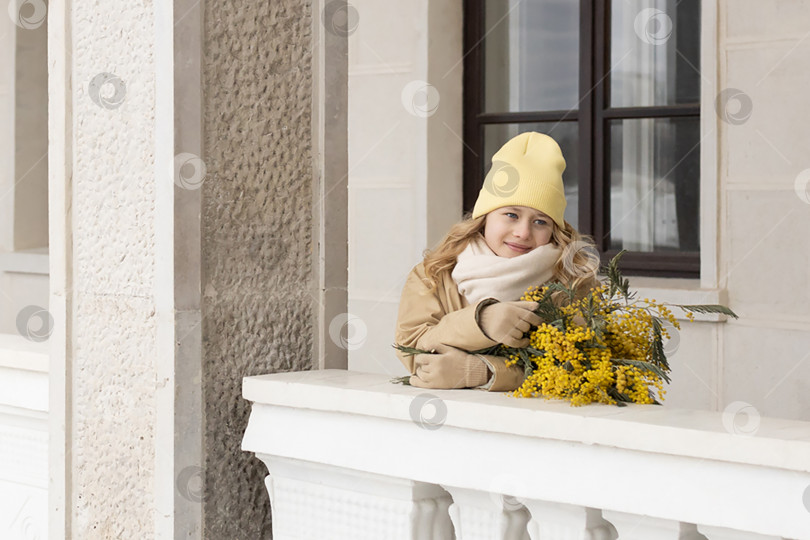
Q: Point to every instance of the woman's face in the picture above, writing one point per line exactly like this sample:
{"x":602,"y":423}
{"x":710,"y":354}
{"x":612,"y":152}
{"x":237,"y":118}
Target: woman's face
{"x":515,"y":230}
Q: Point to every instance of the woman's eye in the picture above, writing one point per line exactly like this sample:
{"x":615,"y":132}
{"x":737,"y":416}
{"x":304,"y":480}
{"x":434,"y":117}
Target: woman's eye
{"x":540,"y":221}
{"x":510,"y":214}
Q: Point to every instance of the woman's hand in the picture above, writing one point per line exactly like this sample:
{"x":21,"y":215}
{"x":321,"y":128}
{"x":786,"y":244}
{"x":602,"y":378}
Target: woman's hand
{"x":449,"y":368}
{"x":506,"y":322}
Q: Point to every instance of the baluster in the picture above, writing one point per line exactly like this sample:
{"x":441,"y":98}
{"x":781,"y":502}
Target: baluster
{"x":722,"y":533}
{"x":638,"y":527}
{"x":559,"y":521}
{"x":481,"y":515}
{"x":311,"y":500}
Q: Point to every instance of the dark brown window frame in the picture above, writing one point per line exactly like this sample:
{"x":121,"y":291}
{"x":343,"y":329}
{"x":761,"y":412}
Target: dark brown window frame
{"x":592,"y":120}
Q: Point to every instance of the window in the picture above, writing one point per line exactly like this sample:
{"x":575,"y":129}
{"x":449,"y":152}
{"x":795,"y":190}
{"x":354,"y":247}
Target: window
{"x":24,"y":170}
{"x":617,"y":84}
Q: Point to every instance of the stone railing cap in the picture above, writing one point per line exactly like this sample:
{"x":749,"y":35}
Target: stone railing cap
{"x":771,"y":442}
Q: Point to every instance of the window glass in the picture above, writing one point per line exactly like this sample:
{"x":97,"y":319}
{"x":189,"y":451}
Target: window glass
{"x":654,"y":184}
{"x":654,"y":53}
{"x":531,"y":55}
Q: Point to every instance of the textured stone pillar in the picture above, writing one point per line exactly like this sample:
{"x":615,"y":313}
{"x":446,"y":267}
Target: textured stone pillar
{"x":109,"y":235}
{"x":257,"y":235}
{"x":181,"y":172}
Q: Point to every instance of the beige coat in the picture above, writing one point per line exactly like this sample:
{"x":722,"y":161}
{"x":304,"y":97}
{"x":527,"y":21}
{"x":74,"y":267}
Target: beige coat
{"x":426,"y":319}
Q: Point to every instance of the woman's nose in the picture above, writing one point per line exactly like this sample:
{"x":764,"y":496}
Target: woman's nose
{"x":521,"y":230}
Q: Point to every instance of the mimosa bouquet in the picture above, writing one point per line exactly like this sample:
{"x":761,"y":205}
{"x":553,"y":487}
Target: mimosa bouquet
{"x":605,"y":347}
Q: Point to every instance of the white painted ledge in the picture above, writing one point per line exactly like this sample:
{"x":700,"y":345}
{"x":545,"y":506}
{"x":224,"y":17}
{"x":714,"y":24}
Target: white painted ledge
{"x":29,"y":261}
{"x":23,"y":375}
{"x":16,"y":352}
{"x":504,"y":461}
{"x":681,"y":432}
{"x":23,"y":437}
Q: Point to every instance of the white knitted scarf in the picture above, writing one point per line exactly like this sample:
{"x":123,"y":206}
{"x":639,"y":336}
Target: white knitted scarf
{"x":480,"y":273}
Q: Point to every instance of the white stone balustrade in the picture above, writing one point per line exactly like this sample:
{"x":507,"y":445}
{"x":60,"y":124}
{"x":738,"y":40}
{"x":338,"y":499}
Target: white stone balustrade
{"x":353,"y":456}
{"x":23,"y":438}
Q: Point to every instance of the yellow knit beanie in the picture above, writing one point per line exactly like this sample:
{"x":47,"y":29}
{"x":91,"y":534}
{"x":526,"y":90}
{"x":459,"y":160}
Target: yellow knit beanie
{"x":526,"y":171}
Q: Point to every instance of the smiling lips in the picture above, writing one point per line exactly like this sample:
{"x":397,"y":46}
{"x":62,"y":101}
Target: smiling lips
{"x":518,"y":248}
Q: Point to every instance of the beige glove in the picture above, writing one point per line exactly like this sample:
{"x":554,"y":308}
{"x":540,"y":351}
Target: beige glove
{"x":449,"y":368}
{"x":506,"y":322}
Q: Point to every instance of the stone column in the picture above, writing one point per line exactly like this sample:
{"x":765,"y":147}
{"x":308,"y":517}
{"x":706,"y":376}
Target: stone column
{"x":259,"y":238}
{"x":181,"y":177}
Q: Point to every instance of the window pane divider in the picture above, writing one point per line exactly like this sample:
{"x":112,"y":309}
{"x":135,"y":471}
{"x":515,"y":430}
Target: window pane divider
{"x":665,"y":111}
{"x":529,"y":116}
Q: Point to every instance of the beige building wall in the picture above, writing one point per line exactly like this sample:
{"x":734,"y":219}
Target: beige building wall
{"x":764,"y":213}
{"x":405,"y":151}
{"x":24,"y":135}
{"x":31,"y":135}
{"x":23,"y":167}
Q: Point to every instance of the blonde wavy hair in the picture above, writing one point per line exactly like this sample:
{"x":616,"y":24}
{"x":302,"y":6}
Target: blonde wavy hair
{"x":576,"y":268}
